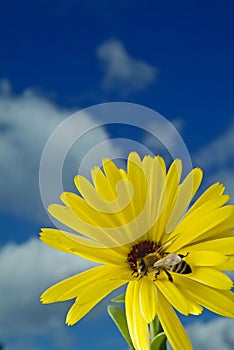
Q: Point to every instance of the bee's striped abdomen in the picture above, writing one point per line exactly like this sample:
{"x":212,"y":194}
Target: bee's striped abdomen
{"x":182,"y":267}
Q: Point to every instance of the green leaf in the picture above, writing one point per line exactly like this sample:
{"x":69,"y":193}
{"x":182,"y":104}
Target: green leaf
{"x":118,"y":316}
{"x":159,"y":342}
{"x":119,"y":299}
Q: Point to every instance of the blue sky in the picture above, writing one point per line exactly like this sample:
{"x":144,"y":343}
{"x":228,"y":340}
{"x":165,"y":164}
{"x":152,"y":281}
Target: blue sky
{"x":57,"y":57}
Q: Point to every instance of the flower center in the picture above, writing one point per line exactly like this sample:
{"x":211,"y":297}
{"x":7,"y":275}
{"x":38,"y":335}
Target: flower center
{"x":139,"y":251}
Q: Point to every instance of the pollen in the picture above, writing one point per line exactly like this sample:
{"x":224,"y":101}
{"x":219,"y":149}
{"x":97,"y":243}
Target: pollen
{"x":140,"y":250}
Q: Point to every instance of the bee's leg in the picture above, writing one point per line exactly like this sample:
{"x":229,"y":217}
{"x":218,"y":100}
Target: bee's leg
{"x":135,"y":274}
{"x":156,"y":274}
{"x":183,"y":256}
{"x":169,"y":275}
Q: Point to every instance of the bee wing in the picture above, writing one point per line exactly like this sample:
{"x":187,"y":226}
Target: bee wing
{"x":173,"y":259}
{"x":169,"y":260}
{"x":159,"y":263}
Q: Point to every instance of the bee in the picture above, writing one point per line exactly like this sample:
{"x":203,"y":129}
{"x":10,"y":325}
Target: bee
{"x":155,"y":262}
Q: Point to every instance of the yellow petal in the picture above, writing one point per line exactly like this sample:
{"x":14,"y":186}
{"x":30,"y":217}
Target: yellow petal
{"x":110,"y":226}
{"x":211,"y":277}
{"x":213,"y":196}
{"x":137,"y":326}
{"x":173,"y":295}
{"x":172,"y":326}
{"x":171,"y":188}
{"x":116,"y":222}
{"x":108,"y":237}
{"x":88,"y":191}
{"x":141,"y":181}
{"x":226,"y":233}
{"x":222,"y":230}
{"x":88,"y":213}
{"x":111,"y":202}
{"x":198,"y":223}
{"x":101,"y":184}
{"x":77,"y":311}
{"x":134,"y":200}
{"x":113,"y":174}
{"x":194,"y":307}
{"x":99,"y":288}
{"x":71,"y":287}
{"x":137,"y":178}
{"x":89,"y":297}
{"x":186,"y":192}
{"x":228,"y":265}
{"x":74,"y":244}
{"x":162,"y":164}
{"x":106,"y":185}
{"x":119,"y":199}
{"x":148,"y":299}
{"x":218,"y":301}
{"x":203,"y":258}
{"x":223,"y":245}
{"x":156,"y":178}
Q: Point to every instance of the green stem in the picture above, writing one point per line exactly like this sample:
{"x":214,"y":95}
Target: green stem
{"x":158,"y":338}
{"x":158,"y":325}
{"x":153,"y":329}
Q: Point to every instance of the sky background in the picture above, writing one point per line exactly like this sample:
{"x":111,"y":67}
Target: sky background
{"x":57,"y":57}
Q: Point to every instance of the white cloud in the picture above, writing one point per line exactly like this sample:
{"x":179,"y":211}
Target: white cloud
{"x":26,"y":271}
{"x":123,"y":73}
{"x":217,"y":159}
{"x":219,"y":152}
{"x":170,"y":135}
{"x":26,"y":122}
{"x":213,"y":335}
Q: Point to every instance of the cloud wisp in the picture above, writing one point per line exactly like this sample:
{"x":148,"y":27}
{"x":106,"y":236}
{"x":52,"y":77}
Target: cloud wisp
{"x":213,"y":335}
{"x":26,"y":122}
{"x":217,"y":159}
{"x":220,"y":152}
{"x":123,"y":74}
{"x":26,"y":270}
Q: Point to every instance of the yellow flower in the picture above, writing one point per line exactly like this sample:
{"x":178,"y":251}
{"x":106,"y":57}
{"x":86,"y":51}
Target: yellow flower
{"x":135,"y":225}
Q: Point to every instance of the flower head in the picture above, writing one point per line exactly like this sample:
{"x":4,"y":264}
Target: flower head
{"x":136,"y":225}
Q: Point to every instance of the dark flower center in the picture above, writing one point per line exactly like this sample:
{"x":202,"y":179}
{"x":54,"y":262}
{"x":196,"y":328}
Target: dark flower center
{"x":140,"y":250}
